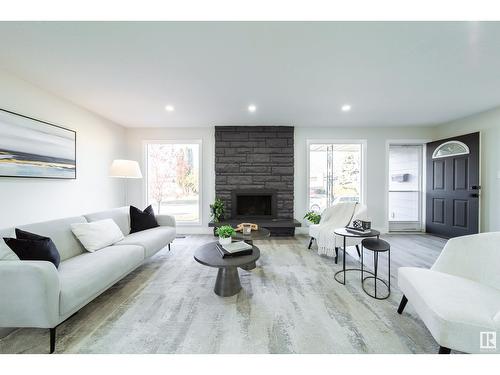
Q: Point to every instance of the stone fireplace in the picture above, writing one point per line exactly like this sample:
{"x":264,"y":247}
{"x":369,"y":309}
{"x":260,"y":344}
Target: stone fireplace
{"x":254,"y":172}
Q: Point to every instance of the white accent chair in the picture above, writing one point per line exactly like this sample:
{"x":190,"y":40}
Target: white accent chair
{"x":337,"y":216}
{"x":459,"y":297}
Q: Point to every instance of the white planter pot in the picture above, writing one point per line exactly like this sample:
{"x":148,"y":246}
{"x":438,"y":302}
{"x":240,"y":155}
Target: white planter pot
{"x":225,"y":241}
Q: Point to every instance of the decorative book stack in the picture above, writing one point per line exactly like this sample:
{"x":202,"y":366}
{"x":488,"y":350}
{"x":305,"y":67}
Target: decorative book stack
{"x":357,"y":231}
{"x":234,"y":249}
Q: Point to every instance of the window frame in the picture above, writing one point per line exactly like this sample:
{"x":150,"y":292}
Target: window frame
{"x":466,"y":152}
{"x":197,"y":141}
{"x":362,"y":142}
{"x":407,"y":225}
{"x":396,"y":141}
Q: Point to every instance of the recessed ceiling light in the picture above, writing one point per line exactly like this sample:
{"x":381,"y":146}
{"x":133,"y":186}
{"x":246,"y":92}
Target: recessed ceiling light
{"x":346,"y":108}
{"x":169,"y":108}
{"x":252,"y":108}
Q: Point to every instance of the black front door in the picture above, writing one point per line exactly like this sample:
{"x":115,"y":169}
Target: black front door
{"x":452,"y":204}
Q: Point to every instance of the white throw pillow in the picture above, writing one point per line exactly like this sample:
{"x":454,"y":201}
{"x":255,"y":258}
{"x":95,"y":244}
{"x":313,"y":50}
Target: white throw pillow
{"x":97,"y":234}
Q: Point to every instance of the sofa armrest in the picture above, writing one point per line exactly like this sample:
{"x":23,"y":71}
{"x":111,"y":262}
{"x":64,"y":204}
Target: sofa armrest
{"x":165,"y":220}
{"x":29,"y":294}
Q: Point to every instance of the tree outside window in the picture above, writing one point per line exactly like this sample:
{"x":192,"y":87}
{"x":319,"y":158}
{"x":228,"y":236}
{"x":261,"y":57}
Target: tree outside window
{"x":173,"y":179}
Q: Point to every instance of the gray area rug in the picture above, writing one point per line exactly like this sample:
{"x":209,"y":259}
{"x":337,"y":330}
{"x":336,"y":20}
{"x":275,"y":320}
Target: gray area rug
{"x":289,"y":304}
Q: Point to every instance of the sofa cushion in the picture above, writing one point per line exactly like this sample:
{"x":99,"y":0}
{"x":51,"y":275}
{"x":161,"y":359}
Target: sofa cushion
{"x":97,"y":234}
{"x":84,"y":277}
{"x":454,"y":309}
{"x":59,"y":231}
{"x":152,"y":240}
{"x":119,"y":215}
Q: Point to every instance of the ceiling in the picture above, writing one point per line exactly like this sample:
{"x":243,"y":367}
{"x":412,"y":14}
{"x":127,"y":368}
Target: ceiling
{"x":296,"y":73}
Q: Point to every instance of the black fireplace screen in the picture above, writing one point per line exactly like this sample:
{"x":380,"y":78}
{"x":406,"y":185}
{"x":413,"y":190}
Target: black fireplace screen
{"x":253,"y":204}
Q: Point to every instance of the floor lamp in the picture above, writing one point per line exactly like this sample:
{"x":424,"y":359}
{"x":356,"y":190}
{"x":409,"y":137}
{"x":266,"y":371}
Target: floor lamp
{"x":125,"y":169}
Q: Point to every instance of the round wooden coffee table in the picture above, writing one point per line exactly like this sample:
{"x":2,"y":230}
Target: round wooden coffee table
{"x":228,"y":280}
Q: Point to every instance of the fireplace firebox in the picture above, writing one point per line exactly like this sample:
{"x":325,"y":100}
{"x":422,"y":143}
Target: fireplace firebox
{"x":254,"y":204}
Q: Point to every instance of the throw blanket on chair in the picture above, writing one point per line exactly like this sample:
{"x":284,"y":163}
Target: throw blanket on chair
{"x":337,"y":216}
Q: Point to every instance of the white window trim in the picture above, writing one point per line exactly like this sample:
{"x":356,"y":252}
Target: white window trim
{"x":466,"y":152}
{"x":362,"y":142}
{"x":200,"y":182}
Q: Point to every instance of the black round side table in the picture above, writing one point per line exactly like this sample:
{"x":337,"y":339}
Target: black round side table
{"x":345,"y":233}
{"x":377,"y":246}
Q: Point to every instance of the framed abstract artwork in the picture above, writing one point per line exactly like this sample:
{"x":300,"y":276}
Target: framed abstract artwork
{"x":35,"y":148}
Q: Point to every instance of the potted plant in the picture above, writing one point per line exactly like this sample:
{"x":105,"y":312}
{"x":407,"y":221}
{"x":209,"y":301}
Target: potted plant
{"x":225,"y":232}
{"x":313,"y":217}
{"x":217,"y":210}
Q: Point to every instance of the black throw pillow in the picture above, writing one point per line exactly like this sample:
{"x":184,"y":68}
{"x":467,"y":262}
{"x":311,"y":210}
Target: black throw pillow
{"x":23,"y":235}
{"x":142,"y":220}
{"x":30,"y":246}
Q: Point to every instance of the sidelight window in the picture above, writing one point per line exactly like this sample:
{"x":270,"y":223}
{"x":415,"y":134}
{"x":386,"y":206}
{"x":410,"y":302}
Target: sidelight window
{"x":405,"y":187}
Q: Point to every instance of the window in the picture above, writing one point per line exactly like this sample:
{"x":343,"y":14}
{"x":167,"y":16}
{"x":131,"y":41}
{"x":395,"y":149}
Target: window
{"x":451,"y":148}
{"x":335,"y":174}
{"x":173,"y":179}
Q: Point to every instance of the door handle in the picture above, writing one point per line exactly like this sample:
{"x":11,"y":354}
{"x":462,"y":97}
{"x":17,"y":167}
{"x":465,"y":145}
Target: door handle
{"x":474,"y":195}
{"x":475,"y":187}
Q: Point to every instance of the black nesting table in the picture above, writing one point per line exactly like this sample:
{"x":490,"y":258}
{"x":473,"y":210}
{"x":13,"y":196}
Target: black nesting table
{"x":377,"y":246}
{"x":228,"y":280}
{"x":345,"y":233}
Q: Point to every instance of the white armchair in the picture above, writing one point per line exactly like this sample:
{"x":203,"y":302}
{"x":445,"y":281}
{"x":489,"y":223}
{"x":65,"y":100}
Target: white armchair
{"x":337,"y":216}
{"x":458,"y":299}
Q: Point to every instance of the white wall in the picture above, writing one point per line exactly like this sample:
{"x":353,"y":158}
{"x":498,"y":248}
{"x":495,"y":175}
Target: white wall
{"x":488,"y":123}
{"x":27,"y":200}
{"x":135,"y":146}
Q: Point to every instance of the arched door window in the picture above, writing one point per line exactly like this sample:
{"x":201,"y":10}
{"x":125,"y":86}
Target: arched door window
{"x":450,"y":148}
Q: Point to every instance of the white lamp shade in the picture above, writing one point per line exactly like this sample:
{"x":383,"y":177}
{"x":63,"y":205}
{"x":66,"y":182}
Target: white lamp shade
{"x":125,"y":169}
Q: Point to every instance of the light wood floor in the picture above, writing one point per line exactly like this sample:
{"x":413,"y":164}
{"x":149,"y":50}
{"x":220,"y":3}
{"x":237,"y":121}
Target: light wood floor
{"x":289,"y":304}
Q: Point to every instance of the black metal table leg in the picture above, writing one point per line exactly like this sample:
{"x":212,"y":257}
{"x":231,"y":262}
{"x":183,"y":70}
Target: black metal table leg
{"x":362,"y":266}
{"x":378,"y":246}
{"x":343,"y":259}
{"x":389,"y":271}
{"x":375,"y":265}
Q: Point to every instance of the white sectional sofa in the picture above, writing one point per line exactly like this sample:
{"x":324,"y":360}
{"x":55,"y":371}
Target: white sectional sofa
{"x":36,"y":294}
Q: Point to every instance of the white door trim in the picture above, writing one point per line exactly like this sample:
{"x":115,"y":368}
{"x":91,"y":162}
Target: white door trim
{"x":420,"y":142}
